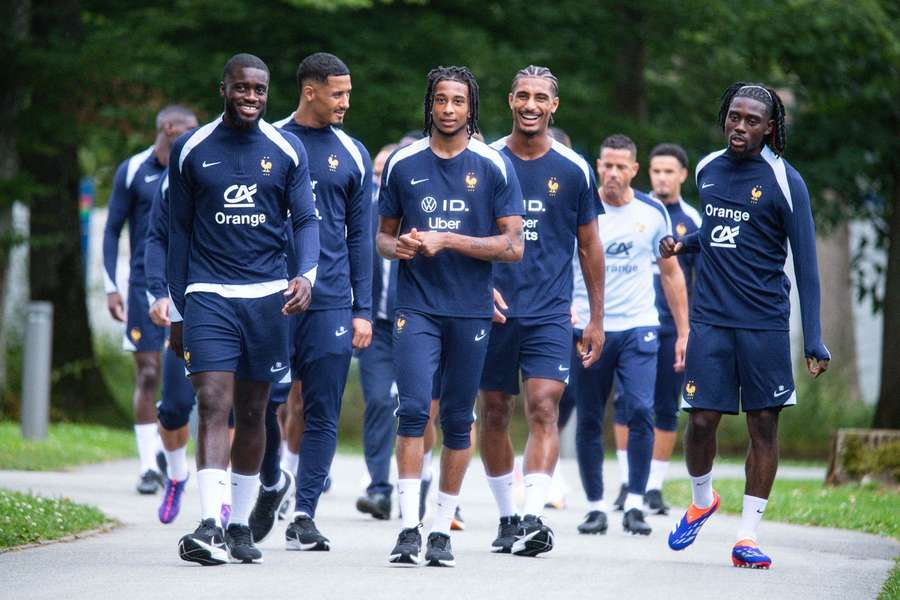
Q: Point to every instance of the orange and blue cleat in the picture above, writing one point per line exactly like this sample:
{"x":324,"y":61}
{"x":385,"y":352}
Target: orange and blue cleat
{"x":685,"y":531}
{"x":748,"y":555}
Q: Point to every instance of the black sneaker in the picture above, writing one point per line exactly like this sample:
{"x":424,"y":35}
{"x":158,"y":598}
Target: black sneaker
{"x":634,"y":522}
{"x":506,"y":535}
{"x":205,"y":546}
{"x":533,"y":537}
{"x":239,"y":541}
{"x":377,"y":505}
{"x":303,"y":535}
{"x":438,"y":552}
{"x":594,"y":523}
{"x":408,"y":549}
{"x":655,"y":503}
{"x":150,"y":481}
{"x":423,"y":497}
{"x":262,"y":519}
{"x":162,"y":464}
{"x":619,"y":504}
{"x":457,"y":523}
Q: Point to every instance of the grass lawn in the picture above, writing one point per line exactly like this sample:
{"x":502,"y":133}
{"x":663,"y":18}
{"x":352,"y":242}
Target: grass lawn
{"x":66,"y":445}
{"x":863,"y":508}
{"x":25,"y":519}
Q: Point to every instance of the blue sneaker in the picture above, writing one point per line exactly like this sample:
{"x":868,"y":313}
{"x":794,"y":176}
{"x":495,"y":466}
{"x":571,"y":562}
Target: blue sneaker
{"x":685,"y":532}
{"x":748,"y":555}
{"x":171,"y":502}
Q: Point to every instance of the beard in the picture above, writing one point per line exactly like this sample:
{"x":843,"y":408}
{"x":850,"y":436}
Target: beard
{"x":242,"y":122}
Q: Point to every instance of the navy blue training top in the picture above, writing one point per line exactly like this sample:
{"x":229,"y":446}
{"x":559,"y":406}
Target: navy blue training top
{"x":685,"y":220}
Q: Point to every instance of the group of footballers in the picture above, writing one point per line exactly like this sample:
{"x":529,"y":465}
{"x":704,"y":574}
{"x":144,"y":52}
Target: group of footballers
{"x":455,"y":269}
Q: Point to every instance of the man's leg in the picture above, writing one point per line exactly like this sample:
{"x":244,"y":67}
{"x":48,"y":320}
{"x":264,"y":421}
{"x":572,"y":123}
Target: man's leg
{"x":174,"y":413}
{"x":665,"y":407}
{"x":376,"y":374}
{"x":542,"y":450}
{"x":146,"y":431}
{"x":293,"y":429}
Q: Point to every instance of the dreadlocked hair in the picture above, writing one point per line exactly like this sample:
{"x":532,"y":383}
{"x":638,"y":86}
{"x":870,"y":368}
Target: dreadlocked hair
{"x":461,"y":75}
{"x":777,"y":138}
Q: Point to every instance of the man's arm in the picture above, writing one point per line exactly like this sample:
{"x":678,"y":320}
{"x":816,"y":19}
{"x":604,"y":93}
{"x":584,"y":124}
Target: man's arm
{"x":359,"y":242}
{"x":689,"y":244}
{"x":675,"y":289}
{"x":155,"y":255}
{"x":392,"y":246}
{"x":305,"y":228}
{"x":181,"y":227}
{"x":801,"y":231}
{"x":593,"y":270}
{"x":507,"y":246}
{"x":117,"y":214}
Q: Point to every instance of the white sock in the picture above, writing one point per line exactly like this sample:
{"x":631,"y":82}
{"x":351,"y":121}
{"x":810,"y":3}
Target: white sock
{"x":408,"y":497}
{"x":226,"y":497}
{"x":426,"y":466}
{"x":536,"y":487}
{"x":751,"y":516}
{"x":212,"y":484}
{"x":146,"y":435}
{"x":658,"y":470}
{"x":290,"y":461}
{"x":702,"y":491}
{"x":244,"y":489}
{"x":634,"y":501}
{"x":598,"y":505}
{"x":277,"y":485}
{"x":299,"y":513}
{"x":502,"y":488}
{"x":622,"y":459}
{"x":443,"y":514}
{"x":176,"y":461}
{"x":283,"y":448}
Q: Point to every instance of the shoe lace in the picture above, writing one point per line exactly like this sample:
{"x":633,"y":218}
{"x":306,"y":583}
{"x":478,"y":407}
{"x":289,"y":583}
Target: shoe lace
{"x":268,"y":500}
{"x":240,"y":535}
{"x":410,"y":535}
{"x":439,"y":541}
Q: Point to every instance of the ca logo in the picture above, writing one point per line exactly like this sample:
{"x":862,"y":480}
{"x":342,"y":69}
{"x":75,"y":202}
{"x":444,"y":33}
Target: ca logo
{"x":429,"y":204}
{"x":723,"y":236}
{"x":239,"y":196}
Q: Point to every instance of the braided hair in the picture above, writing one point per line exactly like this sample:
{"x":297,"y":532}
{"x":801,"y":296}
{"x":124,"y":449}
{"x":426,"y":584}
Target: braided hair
{"x":538,"y":72}
{"x":777,"y":138}
{"x":461,"y":75}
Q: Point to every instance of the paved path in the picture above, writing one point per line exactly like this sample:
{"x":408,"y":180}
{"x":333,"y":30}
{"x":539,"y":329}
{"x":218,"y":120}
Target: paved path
{"x":139,"y":559}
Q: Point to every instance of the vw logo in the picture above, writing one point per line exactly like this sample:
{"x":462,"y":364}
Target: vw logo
{"x":429,"y":204}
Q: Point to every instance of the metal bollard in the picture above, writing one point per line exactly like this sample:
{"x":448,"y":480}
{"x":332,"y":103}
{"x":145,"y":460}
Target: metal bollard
{"x":36,"y":370}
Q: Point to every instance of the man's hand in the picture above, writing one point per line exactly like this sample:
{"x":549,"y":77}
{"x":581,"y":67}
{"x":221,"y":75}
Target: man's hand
{"x":499,"y":305}
{"x":407,"y":245}
{"x":362,"y":333}
{"x":680,"y":351}
{"x":175,"y":339}
{"x":297,"y":296}
{"x":593,"y":338}
{"x":431,"y":242}
{"x":816,"y":366}
{"x":116,"y":306}
{"x":159,"y":312}
{"x":668,"y":247}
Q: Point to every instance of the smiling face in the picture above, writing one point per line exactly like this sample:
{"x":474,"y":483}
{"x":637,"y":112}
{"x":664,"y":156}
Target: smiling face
{"x":245,"y":91}
{"x":532,"y":103}
{"x":747,"y":124}
{"x":450,"y":111}
{"x":330,"y":100}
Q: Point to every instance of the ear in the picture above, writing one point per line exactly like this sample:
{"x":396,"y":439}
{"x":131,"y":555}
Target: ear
{"x":554,"y":104}
{"x":682,"y":176}
{"x":222,"y":88}
{"x":510,"y":100}
{"x":770,"y":127}
{"x":597,"y":167}
{"x":309,"y":92}
{"x":635,"y":167}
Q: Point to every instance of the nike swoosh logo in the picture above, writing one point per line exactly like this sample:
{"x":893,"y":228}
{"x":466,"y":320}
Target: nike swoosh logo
{"x":480,"y":336}
{"x":706,"y":185}
{"x":777,"y":394}
{"x":206,"y":164}
{"x":562,"y":369}
{"x":760,"y":511}
{"x":274,"y":370}
{"x":149,"y":178}
{"x":417,"y":181}
{"x":339,"y":333}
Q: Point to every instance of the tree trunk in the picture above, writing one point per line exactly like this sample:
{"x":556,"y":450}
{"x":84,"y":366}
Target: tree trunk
{"x":838,"y":329}
{"x":49,"y":155}
{"x":887,"y":413}
{"x":631,"y":60}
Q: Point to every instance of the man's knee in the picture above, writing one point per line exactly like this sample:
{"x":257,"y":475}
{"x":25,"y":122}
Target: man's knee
{"x":763,"y":427}
{"x":640,"y":416}
{"x":147,"y":374}
{"x":703,"y":423}
{"x":543,"y":411}
{"x":496,"y":411}
{"x":457,"y":429}
{"x":666,"y":420}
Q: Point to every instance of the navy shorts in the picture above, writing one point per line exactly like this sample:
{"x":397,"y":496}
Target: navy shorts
{"x":728,"y":370}
{"x":320,"y":333}
{"x":456,"y":346}
{"x":177,"y":397}
{"x":539,"y":346}
{"x":668,"y":383}
{"x":245,"y":336}
{"x":141,"y":334}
